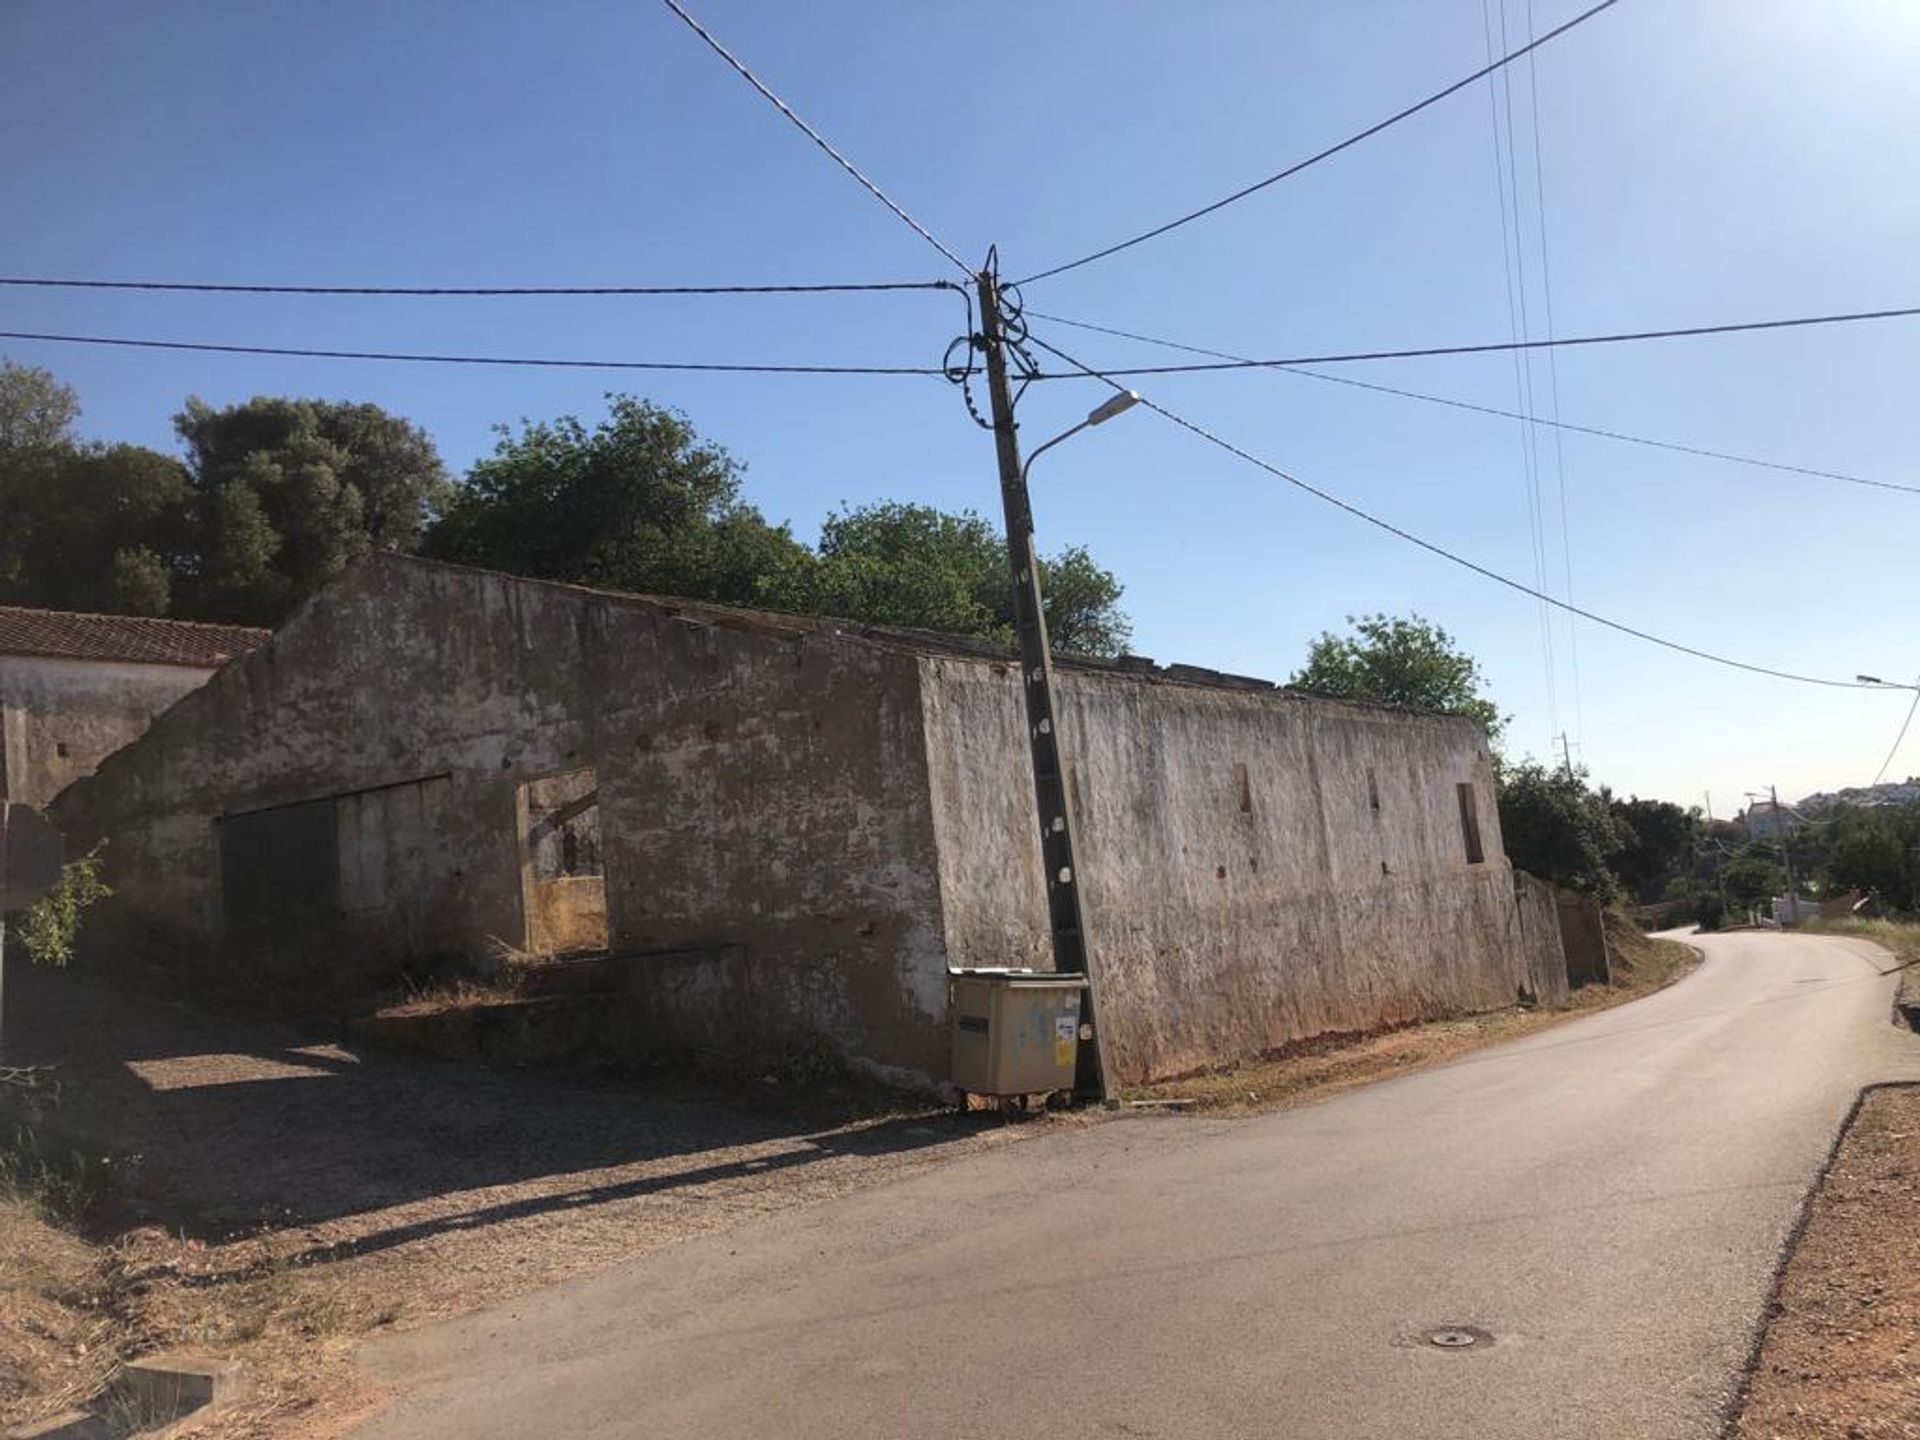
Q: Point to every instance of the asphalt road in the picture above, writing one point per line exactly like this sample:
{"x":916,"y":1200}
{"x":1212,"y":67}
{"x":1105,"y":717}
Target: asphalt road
{"x":1607,"y":1199}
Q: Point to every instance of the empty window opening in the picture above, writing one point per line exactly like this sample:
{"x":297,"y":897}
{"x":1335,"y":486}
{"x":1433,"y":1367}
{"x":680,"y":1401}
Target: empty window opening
{"x":1373,"y":791}
{"x":60,"y":748}
{"x":1243,"y":787}
{"x":564,"y":876}
{"x":1073,"y":791}
{"x":1470,"y":823}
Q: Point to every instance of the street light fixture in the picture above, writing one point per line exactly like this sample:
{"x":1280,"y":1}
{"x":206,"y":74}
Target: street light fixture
{"x":1119,"y":404}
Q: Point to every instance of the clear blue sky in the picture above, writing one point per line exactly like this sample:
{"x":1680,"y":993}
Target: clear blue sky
{"x":1702,"y":162}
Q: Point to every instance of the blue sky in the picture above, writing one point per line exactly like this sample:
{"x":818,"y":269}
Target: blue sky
{"x":1702,"y":162}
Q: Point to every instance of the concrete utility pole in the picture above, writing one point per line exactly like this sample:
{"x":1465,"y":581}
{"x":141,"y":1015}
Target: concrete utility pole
{"x":1786,"y":854}
{"x":1566,"y":754}
{"x":1066,"y":906}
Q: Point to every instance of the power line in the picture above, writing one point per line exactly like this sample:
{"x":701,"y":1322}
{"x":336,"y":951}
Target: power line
{"x":504,"y":360}
{"x":1446,"y":554}
{"x":1495,"y":348}
{"x":1901,"y":737}
{"x":1672,"y":445}
{"x":1513,"y":257}
{"x":814,"y":135}
{"x":1553,"y":372}
{"x":198,"y":287}
{"x":1326,"y":154}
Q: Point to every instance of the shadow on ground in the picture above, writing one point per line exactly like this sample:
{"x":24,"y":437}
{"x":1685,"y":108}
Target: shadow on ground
{"x":239,"y":1124}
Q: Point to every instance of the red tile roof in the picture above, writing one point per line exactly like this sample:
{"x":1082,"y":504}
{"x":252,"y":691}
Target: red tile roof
{"x":69,"y":635}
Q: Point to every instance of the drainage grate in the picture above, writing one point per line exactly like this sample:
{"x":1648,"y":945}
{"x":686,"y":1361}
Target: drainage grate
{"x":1458,"y":1337}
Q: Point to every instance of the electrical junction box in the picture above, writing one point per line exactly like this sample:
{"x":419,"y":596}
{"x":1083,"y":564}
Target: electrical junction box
{"x":1015,"y":1032}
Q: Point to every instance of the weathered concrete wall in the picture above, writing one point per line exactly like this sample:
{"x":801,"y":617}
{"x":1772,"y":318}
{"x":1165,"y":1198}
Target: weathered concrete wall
{"x":1259,"y":867}
{"x":1537,"y":914}
{"x":759,"y":788}
{"x":60,"y":718}
{"x":794,"y":830}
{"x":1583,"y":936}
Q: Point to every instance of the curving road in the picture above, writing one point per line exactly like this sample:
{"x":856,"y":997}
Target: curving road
{"x":1607,"y":1200}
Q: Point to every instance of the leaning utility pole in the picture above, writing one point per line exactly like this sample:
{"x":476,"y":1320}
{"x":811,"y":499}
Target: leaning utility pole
{"x":1066,"y":907}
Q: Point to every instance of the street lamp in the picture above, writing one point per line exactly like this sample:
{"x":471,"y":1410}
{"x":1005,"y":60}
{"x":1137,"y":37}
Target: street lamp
{"x":1119,"y":404}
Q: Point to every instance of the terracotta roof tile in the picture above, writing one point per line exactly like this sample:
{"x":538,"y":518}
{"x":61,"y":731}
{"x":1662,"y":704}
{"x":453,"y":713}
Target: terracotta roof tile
{"x":69,"y":635}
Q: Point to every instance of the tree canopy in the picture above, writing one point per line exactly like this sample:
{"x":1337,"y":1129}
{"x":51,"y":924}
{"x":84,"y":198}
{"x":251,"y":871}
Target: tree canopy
{"x":636,"y":502}
{"x":1555,"y":827}
{"x":273,"y":496}
{"x":640,"y":502}
{"x":917,"y":566}
{"x":1403,"y":661}
{"x":285,"y":492}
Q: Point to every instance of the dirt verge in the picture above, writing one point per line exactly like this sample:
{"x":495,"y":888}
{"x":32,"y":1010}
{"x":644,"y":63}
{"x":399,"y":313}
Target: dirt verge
{"x":1841,"y":1353}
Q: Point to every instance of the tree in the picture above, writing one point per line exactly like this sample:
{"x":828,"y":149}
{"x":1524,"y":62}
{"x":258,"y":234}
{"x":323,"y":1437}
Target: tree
{"x":97,"y":504}
{"x":286,"y":492}
{"x":37,"y":410}
{"x":1405,"y":662}
{"x":37,"y":413}
{"x":1662,"y":842}
{"x":1753,"y":876}
{"x":1874,"y":849}
{"x":914,"y":565}
{"x":639,"y":502}
{"x":1555,"y":827}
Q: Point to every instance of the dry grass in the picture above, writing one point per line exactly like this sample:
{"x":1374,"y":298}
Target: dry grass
{"x":1327,"y":1065}
{"x":1901,"y":937}
{"x":80,"y":1293}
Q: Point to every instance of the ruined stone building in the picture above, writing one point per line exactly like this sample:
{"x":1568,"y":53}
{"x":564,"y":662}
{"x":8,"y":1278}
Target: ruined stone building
{"x":74,"y":688}
{"x":798,"y":825}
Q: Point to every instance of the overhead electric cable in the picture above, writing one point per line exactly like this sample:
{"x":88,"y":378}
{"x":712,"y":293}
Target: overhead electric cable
{"x":1444,"y":553}
{"x":1553,"y":374}
{"x":208,"y":288}
{"x":1899,"y":739}
{"x":1673,"y":445}
{"x":505,"y":360}
{"x":1506,"y":174}
{"x":1493,"y":348}
{"x":1315,"y":159}
{"x":814,"y":135}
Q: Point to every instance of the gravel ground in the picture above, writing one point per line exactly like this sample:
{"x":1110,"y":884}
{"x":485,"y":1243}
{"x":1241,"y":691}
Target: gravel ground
{"x":1841,"y":1356}
{"x":292,"y":1194}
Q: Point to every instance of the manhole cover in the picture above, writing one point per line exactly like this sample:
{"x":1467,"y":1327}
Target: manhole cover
{"x":1458,"y":1337}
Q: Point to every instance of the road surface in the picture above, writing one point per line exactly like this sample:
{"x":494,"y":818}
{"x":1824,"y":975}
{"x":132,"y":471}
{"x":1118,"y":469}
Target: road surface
{"x":1607,"y":1200}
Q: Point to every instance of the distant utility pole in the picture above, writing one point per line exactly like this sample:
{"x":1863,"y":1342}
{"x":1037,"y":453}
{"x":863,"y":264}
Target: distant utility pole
{"x":1066,"y":906}
{"x":1566,"y":754}
{"x":1786,"y":853}
{"x":1720,"y":861}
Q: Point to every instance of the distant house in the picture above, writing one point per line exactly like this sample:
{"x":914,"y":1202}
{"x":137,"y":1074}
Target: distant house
{"x":1764,"y":819}
{"x":74,"y":688}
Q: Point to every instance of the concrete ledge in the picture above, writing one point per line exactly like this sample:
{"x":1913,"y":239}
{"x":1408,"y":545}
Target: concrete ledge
{"x":1906,"y":998}
{"x":162,"y":1388}
{"x":68,"y":1425}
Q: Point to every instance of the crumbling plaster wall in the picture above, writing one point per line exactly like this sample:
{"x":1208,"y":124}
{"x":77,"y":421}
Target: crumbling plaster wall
{"x":1244,"y":888}
{"x":762,"y":792}
{"x":60,"y":718}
